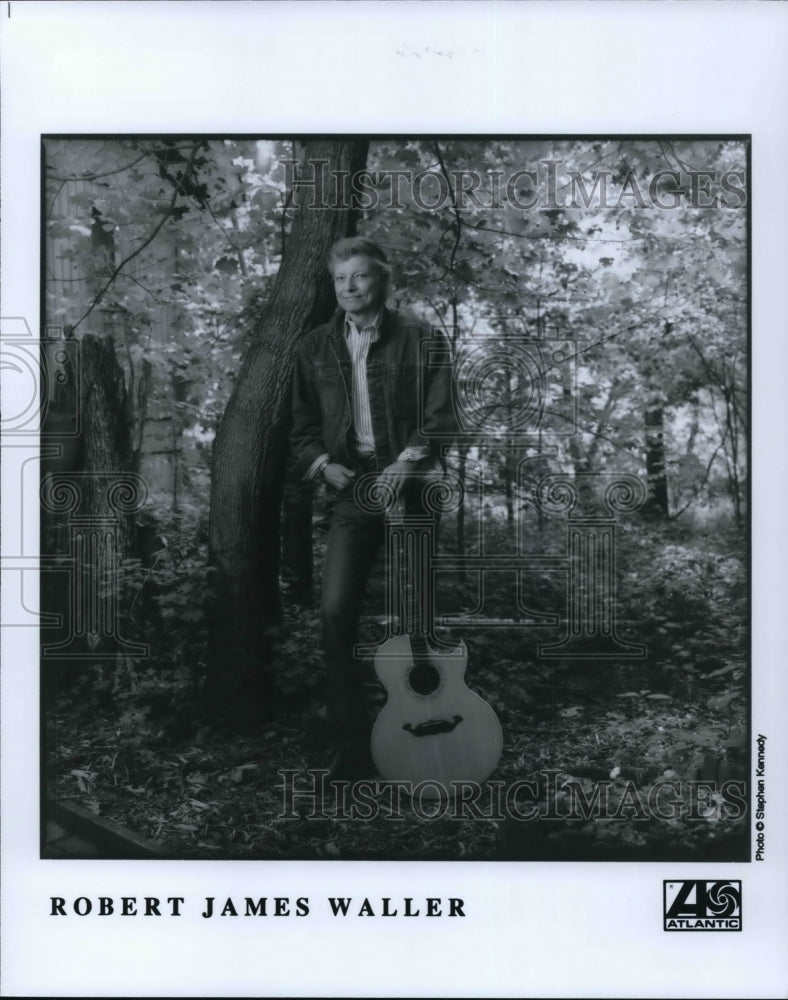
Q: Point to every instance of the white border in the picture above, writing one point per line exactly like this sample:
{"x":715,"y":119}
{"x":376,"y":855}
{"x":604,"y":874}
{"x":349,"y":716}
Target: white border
{"x":557,"y":67}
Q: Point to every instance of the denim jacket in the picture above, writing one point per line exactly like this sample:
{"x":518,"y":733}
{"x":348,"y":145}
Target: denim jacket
{"x":411,"y":391}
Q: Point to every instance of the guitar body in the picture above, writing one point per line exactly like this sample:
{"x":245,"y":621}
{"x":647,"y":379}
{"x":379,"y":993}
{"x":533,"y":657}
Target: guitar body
{"x":432,"y":727}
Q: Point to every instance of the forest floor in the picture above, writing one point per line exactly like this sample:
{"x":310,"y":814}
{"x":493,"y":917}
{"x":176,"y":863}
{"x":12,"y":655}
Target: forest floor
{"x":669,"y":773}
{"x":640,"y":759}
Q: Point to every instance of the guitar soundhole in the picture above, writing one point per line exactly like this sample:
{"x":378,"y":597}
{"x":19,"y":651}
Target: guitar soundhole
{"x":424,"y":678}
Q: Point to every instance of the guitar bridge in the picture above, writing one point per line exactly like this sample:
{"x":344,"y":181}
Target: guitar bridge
{"x":433,"y":727}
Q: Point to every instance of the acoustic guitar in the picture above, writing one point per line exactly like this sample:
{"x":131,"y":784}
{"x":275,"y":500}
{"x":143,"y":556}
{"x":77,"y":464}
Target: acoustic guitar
{"x":433,"y":728}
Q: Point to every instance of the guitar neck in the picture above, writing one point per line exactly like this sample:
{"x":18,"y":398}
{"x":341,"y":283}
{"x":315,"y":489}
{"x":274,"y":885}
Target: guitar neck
{"x":412,"y":539}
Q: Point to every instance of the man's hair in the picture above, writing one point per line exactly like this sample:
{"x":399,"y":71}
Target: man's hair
{"x":359,"y":246}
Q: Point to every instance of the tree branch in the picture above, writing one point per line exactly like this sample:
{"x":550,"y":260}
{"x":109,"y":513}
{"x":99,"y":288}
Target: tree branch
{"x":454,"y":208}
{"x":95,"y":177}
{"x":144,"y":244}
{"x":118,"y":170}
{"x":238,"y":251}
{"x":55,"y":195}
{"x":700,"y":486}
{"x":153,"y":295}
{"x":287,"y":203}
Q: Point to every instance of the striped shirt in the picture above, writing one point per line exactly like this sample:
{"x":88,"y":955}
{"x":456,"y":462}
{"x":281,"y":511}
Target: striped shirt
{"x":359,"y":343}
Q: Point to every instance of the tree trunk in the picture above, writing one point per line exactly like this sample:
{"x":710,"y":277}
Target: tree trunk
{"x":731,"y":453}
{"x":462,"y":449}
{"x":509,"y":473}
{"x":461,"y":475}
{"x":297,"y":554}
{"x":79,"y":507}
{"x":250,"y":450}
{"x":656,"y":473}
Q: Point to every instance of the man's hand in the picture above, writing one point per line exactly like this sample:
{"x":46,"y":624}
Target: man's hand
{"x":338,"y":475}
{"x":395,"y":474}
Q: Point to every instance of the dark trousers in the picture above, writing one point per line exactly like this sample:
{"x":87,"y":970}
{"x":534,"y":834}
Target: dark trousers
{"x":354,"y":540}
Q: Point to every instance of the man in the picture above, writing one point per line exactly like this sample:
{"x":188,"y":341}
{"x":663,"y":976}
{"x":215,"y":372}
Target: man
{"x":362,"y":404}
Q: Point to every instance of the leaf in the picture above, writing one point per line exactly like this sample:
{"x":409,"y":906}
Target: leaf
{"x":240,"y":773}
{"x":718,"y":702}
{"x":722,"y":671}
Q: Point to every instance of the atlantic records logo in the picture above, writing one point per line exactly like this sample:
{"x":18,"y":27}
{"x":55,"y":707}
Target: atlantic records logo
{"x":701,"y":905}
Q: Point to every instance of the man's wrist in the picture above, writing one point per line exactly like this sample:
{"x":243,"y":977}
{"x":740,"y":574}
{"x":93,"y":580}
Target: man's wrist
{"x":412,"y":455}
{"x":317,"y":467}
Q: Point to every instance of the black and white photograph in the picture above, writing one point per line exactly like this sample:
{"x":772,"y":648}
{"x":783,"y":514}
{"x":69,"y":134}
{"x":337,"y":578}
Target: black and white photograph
{"x":397,"y":504}
{"x":392,"y":499}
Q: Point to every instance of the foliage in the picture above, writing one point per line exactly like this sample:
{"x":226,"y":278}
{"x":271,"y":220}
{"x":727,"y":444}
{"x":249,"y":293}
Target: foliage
{"x":132,"y":745}
{"x":654,"y":299}
{"x":170,"y":246}
{"x":210,"y":795}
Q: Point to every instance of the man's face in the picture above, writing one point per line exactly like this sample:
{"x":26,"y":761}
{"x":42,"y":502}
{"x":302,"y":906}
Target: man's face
{"x":358,"y":285}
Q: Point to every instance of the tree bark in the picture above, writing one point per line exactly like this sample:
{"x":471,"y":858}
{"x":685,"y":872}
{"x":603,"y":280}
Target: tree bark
{"x":250,"y":450}
{"x":297,"y":549}
{"x":461,"y":475}
{"x":89,"y":463}
{"x":656,"y":472}
{"x":657,"y":502}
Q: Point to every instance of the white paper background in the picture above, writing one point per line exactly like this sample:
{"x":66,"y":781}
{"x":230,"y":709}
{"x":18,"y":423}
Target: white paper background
{"x":532,"y":929}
